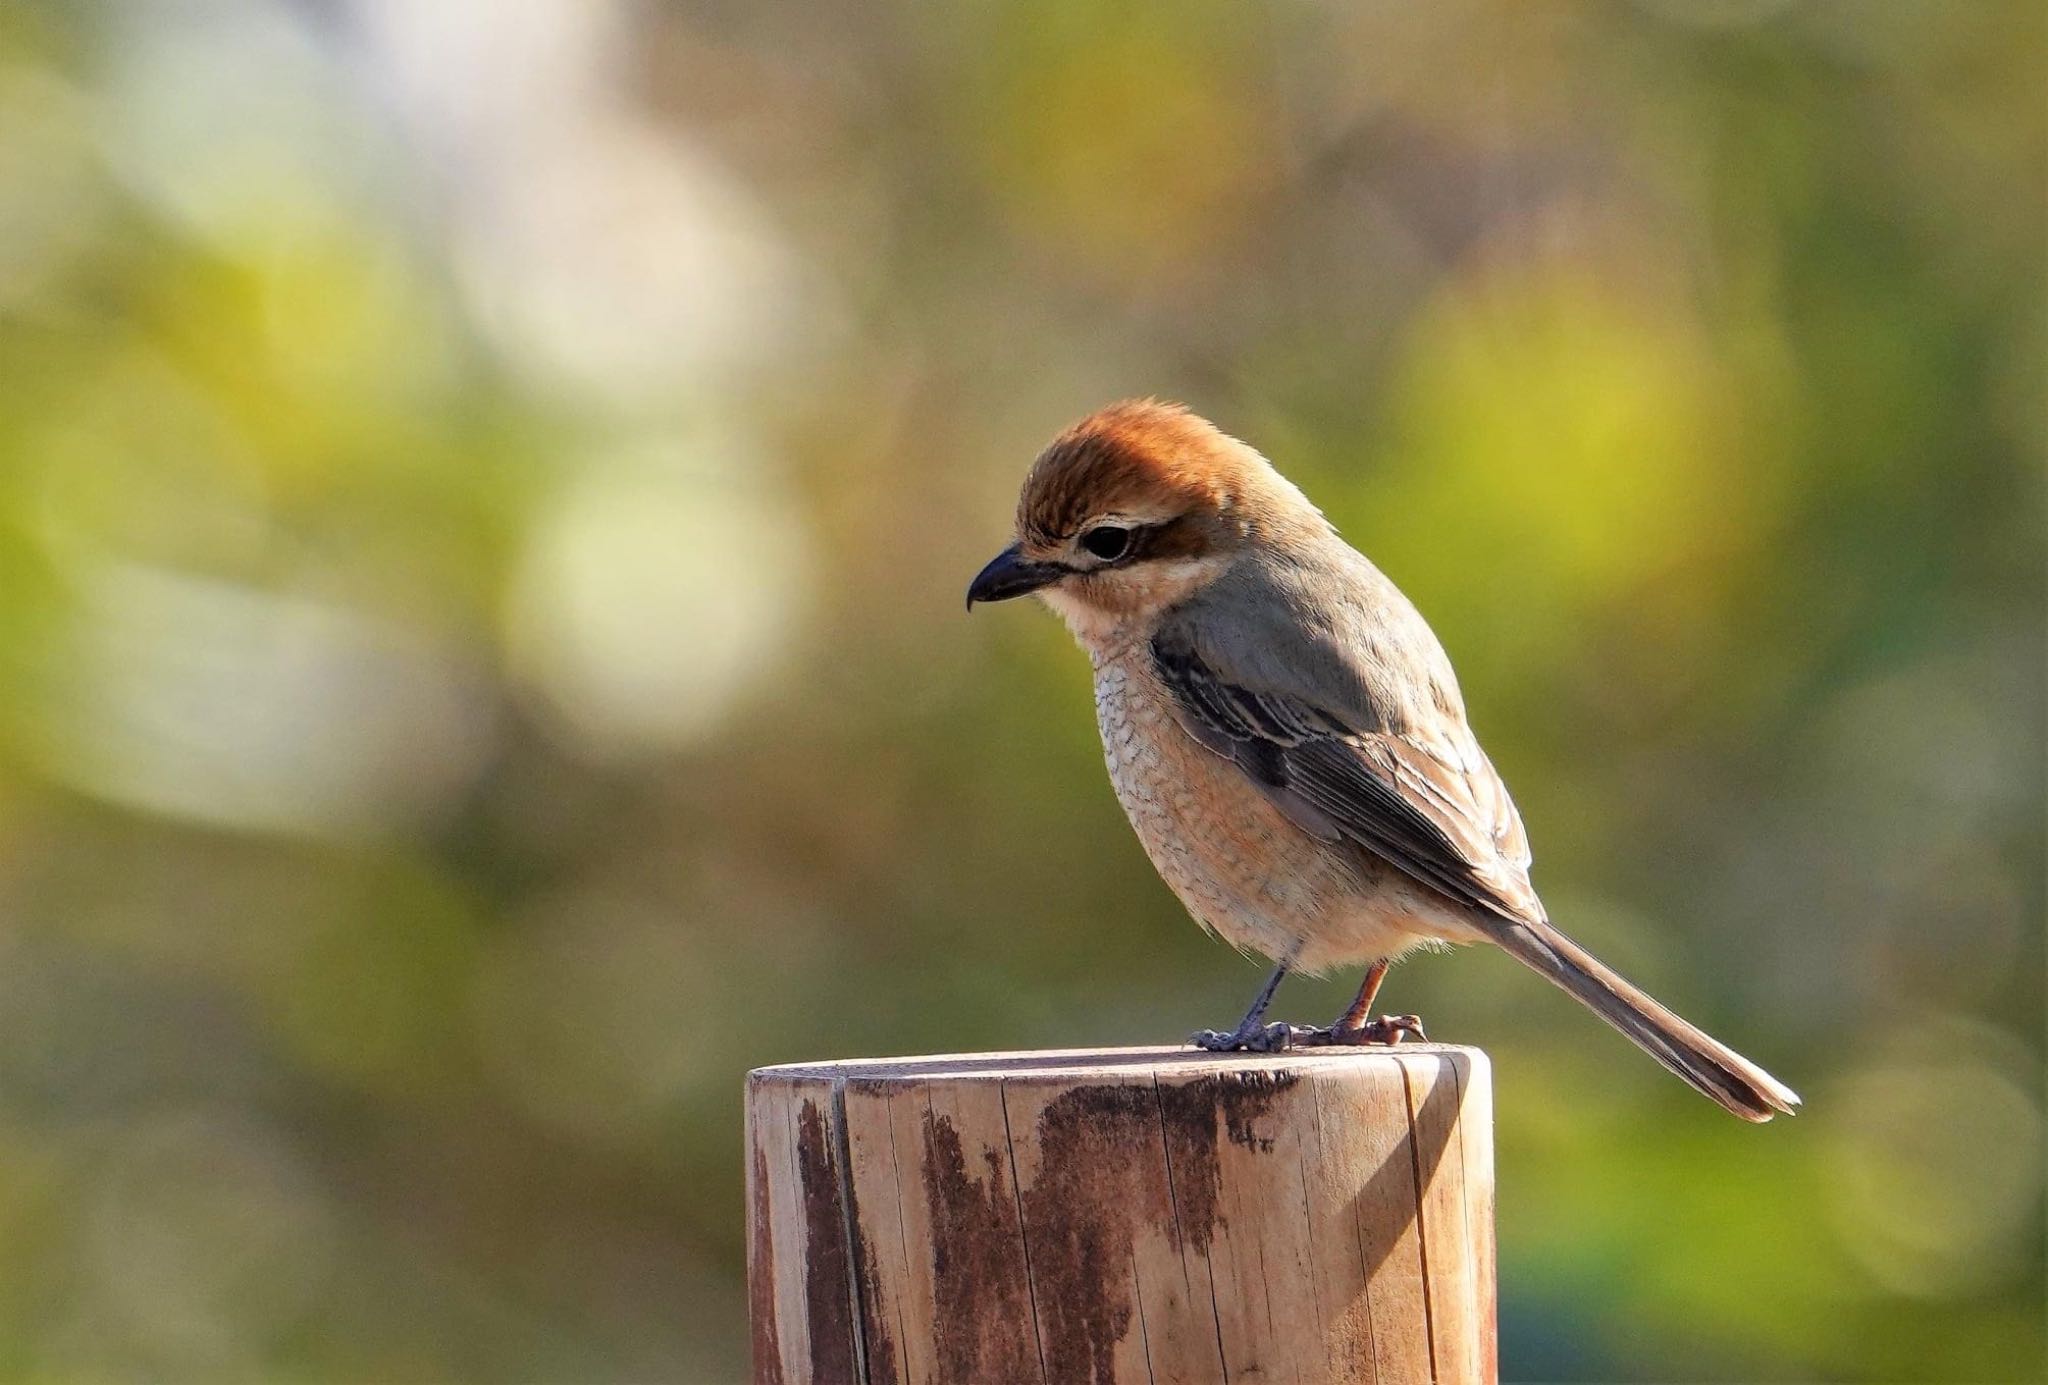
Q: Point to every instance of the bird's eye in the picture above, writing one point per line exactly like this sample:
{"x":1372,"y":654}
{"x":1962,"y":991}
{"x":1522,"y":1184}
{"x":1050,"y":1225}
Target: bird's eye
{"x":1107,"y":541}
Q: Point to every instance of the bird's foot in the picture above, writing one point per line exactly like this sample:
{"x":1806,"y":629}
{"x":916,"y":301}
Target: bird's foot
{"x":1387,"y":1030}
{"x":1255,"y":1038}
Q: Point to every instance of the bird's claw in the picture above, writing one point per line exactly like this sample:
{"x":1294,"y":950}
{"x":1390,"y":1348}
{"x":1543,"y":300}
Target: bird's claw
{"x":1388,"y":1030}
{"x":1262,"y":1038}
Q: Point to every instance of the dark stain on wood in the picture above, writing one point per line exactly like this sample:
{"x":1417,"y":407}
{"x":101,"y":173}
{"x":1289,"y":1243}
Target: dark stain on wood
{"x":881,"y":1346}
{"x":828,"y":1284}
{"x":1190,"y":1114}
{"x":980,"y":1287}
{"x":1244,"y":1096}
{"x":875,"y":1326}
{"x":761,"y":1281}
{"x":1082,"y":1213}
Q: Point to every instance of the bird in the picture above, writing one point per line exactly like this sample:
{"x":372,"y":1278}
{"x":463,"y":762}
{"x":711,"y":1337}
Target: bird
{"x":1287,"y":737}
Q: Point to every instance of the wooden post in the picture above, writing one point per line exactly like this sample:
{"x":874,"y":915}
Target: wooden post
{"x":1123,"y":1216}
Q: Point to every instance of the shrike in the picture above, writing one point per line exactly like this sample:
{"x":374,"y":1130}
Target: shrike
{"x":1287,"y":737}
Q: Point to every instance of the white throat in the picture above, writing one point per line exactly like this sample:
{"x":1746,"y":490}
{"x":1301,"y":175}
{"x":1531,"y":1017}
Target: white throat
{"x":1111,"y":619}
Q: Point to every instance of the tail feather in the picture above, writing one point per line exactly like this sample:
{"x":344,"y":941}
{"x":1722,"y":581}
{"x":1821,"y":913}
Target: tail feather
{"x":1709,"y":1066}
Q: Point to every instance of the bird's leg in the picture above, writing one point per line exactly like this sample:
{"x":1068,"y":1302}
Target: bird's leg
{"x":1250,"y":1035}
{"x":1368,"y":991}
{"x":1357,"y":1026}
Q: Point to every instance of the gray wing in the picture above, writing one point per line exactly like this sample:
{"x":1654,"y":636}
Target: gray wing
{"x":1365,"y":743}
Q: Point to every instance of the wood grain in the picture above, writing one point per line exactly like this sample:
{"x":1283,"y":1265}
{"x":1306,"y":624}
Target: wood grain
{"x":1122,"y":1216}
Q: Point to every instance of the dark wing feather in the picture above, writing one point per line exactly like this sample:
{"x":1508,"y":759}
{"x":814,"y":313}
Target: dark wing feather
{"x":1432,"y":806}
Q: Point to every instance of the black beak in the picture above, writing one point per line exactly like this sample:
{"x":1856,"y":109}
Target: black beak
{"x":1011,"y":574}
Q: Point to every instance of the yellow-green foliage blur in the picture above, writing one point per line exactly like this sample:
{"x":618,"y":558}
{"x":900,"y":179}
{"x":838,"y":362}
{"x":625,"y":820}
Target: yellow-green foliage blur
{"x":486,"y":491}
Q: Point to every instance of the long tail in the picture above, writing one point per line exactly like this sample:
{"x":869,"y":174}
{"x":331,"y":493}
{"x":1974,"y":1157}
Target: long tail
{"x":1711,"y":1067}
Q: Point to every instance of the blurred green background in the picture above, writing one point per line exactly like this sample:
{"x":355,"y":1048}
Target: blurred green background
{"x":485,"y":497}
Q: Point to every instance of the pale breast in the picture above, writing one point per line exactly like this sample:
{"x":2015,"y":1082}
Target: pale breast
{"x":1241,"y":868}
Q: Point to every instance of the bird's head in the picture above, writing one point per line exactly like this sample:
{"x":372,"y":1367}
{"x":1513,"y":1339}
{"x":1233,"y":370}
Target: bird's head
{"x":1134,"y":508}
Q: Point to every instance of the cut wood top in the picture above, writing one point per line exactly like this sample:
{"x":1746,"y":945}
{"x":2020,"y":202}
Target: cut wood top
{"x":1083,"y":1063}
